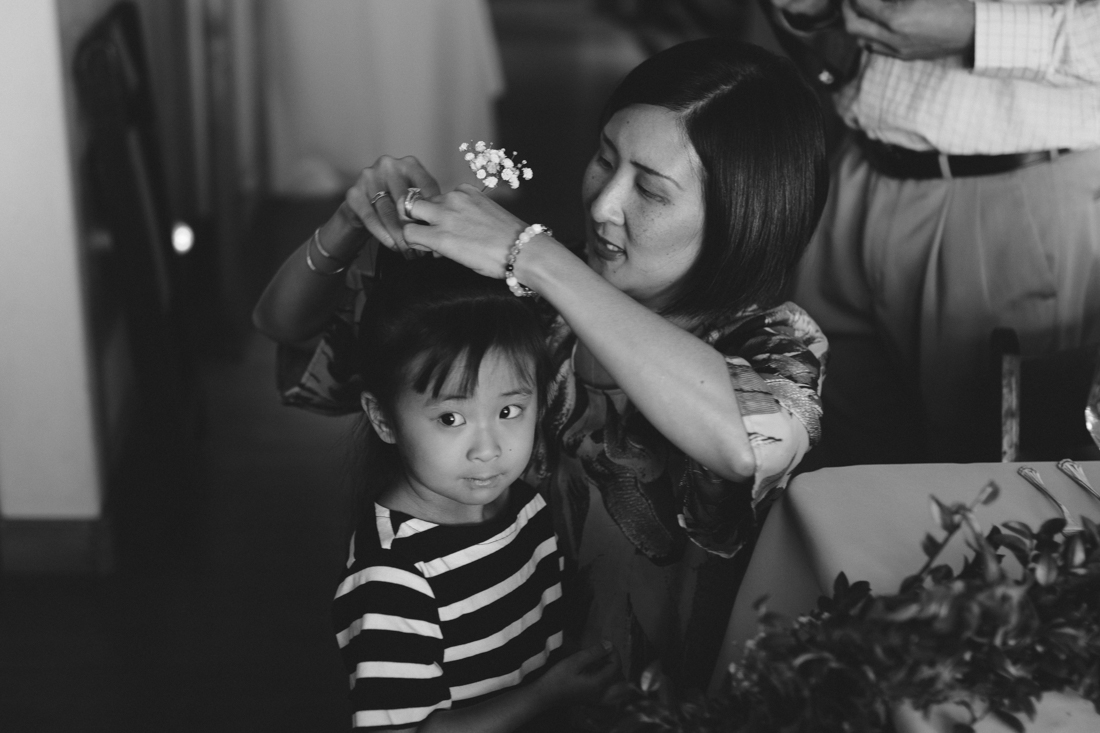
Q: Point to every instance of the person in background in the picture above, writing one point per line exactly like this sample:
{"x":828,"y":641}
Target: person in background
{"x":684,"y":387}
{"x":335,"y":97}
{"x":963,"y":199}
{"x":449,"y":616}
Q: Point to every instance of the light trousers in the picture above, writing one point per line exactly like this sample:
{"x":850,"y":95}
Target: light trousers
{"x":908,"y":278}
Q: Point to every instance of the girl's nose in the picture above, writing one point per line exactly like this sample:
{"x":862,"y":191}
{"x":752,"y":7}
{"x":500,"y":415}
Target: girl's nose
{"x":607,"y":206}
{"x":486,"y":445}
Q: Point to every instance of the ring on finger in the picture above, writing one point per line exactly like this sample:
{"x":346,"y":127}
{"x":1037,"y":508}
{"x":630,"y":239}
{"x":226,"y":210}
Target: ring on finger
{"x":411,"y":198}
{"x":378,"y":197}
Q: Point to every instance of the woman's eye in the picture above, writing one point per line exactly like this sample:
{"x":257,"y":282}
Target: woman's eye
{"x":648,"y":194}
{"x":603,"y":162}
{"x":511,"y":411}
{"x":452,"y":419}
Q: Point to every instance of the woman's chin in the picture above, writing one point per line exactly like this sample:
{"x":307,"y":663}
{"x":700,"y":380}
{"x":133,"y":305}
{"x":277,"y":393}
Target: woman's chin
{"x":594,"y":262}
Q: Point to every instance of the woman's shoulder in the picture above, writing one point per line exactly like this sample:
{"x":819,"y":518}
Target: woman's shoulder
{"x":783,"y":329}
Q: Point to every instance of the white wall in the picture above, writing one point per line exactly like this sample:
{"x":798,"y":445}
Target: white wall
{"x":49,"y":466}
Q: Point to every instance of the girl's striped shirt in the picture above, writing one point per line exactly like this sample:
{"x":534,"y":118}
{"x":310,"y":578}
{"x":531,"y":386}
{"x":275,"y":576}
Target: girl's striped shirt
{"x":430,"y":617}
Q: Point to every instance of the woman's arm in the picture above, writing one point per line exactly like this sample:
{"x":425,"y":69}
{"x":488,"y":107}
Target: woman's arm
{"x":583,"y":676}
{"x":298,"y":301}
{"x":680,"y":383}
{"x":677,"y":381}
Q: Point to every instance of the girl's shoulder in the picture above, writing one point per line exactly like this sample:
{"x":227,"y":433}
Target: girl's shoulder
{"x":397,"y":537}
{"x":370,"y":562}
{"x":380,"y":538}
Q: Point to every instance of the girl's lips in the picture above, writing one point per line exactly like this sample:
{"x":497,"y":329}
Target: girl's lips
{"x":484,"y":482}
{"x":604,"y":249}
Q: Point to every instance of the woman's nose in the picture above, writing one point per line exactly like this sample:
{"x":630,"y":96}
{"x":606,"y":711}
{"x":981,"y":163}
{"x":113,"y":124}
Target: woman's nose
{"x":486,"y":445}
{"x":607,"y":206}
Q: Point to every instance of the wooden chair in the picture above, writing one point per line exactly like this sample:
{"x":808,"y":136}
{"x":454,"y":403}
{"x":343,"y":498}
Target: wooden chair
{"x":1040,"y":401}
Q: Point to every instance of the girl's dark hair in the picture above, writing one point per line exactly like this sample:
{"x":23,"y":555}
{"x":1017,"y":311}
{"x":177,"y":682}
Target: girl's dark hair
{"x":425,"y":319}
{"x":759,"y":132}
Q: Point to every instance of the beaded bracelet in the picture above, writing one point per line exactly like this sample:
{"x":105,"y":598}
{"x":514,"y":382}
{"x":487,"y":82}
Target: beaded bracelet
{"x":519,"y":289}
{"x":309,"y":258}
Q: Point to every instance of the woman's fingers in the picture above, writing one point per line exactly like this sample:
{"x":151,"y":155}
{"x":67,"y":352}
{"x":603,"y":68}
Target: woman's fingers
{"x":595,"y":659}
{"x":420,"y":208}
{"x":597,"y":668}
{"x":466,"y":226}
{"x":377,"y":196}
{"x":385,"y":207}
{"x":377,"y":214}
{"x":420,"y":177}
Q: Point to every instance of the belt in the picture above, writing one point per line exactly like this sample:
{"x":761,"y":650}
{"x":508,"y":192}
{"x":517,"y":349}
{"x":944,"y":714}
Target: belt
{"x":898,"y":162}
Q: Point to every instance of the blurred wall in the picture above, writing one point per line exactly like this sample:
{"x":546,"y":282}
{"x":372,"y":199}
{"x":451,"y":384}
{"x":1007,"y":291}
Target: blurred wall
{"x":49,"y":466}
{"x":65,"y":379}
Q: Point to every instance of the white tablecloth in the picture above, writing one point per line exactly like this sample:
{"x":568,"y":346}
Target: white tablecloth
{"x":868,"y":521}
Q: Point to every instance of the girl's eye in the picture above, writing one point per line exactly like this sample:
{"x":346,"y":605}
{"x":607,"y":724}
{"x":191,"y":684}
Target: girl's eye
{"x":647,"y":193}
{"x":452,"y":419}
{"x":603,"y":162}
{"x":511,"y":411}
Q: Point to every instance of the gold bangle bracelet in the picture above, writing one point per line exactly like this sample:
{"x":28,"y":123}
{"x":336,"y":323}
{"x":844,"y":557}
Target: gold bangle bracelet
{"x":309,"y":258}
{"x":322,"y":250}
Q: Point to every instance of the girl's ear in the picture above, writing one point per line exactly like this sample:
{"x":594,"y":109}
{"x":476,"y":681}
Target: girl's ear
{"x":377,"y":417}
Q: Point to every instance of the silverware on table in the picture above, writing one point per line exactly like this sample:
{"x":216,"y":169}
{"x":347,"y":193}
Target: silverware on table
{"x":1077,"y":474}
{"x":1092,"y":407}
{"x":1032,"y":477}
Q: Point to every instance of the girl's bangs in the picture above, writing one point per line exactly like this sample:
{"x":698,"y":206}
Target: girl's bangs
{"x":458,"y":363}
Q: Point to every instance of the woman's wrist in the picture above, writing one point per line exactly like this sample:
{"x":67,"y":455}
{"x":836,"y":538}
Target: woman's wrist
{"x":532,"y":257}
{"x":546,"y":695}
{"x":514,"y":284}
{"x":341,"y":236}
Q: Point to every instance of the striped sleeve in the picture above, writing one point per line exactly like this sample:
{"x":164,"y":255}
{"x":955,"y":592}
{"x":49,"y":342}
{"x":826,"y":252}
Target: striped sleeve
{"x":387,"y":627}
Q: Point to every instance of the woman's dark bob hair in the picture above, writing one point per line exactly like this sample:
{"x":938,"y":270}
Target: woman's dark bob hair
{"x":759,"y":132}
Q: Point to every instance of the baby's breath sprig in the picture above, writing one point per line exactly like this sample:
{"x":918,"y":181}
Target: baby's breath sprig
{"x":493,"y":165}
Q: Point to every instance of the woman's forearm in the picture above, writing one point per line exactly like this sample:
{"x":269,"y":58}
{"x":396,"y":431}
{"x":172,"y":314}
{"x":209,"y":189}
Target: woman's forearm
{"x":502,"y":714}
{"x":298,"y":302}
{"x":680,"y":383}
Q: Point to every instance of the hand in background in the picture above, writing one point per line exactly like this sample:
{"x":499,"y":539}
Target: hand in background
{"x":912,"y":29}
{"x":385,"y":217}
{"x":806,"y":8}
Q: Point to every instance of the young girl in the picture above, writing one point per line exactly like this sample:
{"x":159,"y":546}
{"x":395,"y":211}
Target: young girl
{"x":449,"y":616}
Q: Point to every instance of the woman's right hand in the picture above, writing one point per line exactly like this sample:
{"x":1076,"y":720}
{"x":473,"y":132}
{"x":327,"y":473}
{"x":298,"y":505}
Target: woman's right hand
{"x":583,"y":676}
{"x":300,"y":300}
{"x":385,"y":217}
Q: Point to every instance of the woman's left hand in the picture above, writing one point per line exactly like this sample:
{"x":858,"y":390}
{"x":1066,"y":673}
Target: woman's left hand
{"x":466,"y":226}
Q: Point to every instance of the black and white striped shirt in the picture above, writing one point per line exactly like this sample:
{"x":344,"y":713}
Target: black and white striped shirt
{"x":431,"y":616}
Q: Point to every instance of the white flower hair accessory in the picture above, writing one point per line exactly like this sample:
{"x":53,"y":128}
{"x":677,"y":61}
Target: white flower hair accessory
{"x":493,"y":165}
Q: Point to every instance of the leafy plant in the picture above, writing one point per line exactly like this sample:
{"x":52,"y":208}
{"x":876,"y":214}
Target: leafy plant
{"x":981,"y":638}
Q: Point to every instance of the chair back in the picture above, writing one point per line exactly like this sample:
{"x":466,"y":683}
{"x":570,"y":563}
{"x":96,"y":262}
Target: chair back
{"x":1040,"y":400}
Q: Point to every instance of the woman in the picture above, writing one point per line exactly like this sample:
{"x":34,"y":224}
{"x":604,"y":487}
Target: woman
{"x":685,"y":389}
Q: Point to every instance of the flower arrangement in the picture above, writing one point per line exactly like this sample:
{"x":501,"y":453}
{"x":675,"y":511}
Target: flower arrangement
{"x":492,"y":165}
{"x":980,"y":638}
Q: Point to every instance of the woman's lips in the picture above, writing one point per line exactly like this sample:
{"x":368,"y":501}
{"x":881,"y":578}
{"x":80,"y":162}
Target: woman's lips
{"x":604,"y":249}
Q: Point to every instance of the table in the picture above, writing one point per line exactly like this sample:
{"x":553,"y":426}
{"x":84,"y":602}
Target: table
{"x":868,"y":521}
